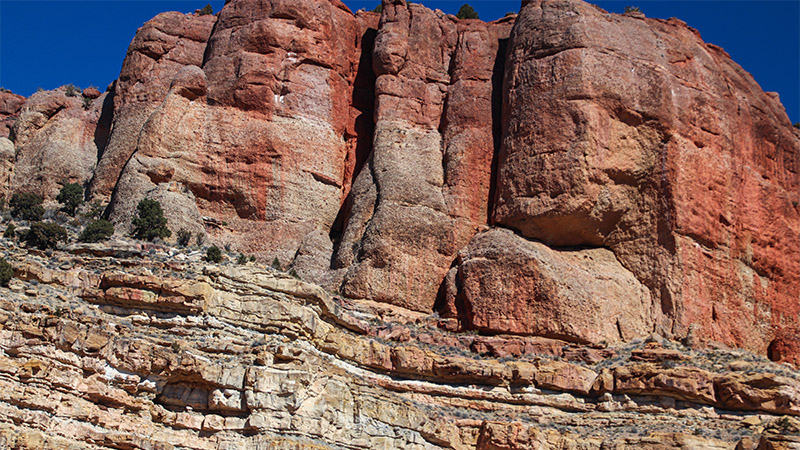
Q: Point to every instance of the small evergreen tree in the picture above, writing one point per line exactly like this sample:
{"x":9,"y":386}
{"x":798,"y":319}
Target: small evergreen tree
{"x":11,"y":231}
{"x":378,"y":9}
{"x":150,"y":222}
{"x":184,"y":236}
{"x":276,"y":264}
{"x":6,"y":272}
{"x":99,"y":230}
{"x":26,"y":206}
{"x":213,"y":254}
{"x":632,"y":9}
{"x":207,"y":10}
{"x":45,"y":235}
{"x":71,"y":90}
{"x":241,"y":259}
{"x":71,"y":196}
{"x":466,"y":12}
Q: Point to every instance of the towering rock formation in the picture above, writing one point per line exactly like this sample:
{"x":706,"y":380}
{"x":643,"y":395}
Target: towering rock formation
{"x":583,"y":176}
{"x":425,"y":188}
{"x":263,"y":136}
{"x":633,"y":135}
{"x":58,"y":137}
{"x":160,"y":49}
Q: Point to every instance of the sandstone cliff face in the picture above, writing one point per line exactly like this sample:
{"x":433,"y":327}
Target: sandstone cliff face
{"x":160,"y":49}
{"x":139,"y":347}
{"x":634,"y":135}
{"x":583,"y":176}
{"x":425,"y":188}
{"x":262,"y":137}
{"x":57,"y":139}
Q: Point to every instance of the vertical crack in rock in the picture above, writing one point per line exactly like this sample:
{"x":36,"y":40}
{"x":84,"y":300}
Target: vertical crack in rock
{"x":498,"y":81}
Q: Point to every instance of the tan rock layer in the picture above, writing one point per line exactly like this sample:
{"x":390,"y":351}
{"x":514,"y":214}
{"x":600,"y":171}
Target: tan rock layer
{"x":265,"y":359}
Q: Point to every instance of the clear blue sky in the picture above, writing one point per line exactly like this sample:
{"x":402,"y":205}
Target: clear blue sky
{"x":51,"y":43}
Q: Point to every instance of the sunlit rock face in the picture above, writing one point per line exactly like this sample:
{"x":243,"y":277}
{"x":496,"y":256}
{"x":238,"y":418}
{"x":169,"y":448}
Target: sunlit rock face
{"x":564,"y":173}
{"x":634,"y":135}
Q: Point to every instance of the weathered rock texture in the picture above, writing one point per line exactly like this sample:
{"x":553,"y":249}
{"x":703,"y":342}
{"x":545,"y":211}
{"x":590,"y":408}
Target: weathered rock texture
{"x":263,"y":137}
{"x":425,"y":188}
{"x":57,"y":136}
{"x":506,"y":284}
{"x":10,"y":104}
{"x":122,"y":352}
{"x":634,"y":135}
{"x":161,"y":48}
{"x":583,"y":176}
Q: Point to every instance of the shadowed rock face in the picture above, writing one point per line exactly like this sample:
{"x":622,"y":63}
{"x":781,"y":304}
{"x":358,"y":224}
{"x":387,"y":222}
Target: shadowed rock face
{"x":10,"y":105}
{"x":586,"y":176}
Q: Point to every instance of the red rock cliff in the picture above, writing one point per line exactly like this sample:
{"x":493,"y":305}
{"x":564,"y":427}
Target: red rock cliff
{"x":585,"y":176}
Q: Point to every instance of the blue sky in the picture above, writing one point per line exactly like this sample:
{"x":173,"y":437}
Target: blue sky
{"x":51,"y":43}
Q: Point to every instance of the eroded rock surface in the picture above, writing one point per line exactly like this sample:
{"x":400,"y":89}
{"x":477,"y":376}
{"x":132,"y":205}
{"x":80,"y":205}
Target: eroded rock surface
{"x":100,"y":348}
{"x":58,"y":136}
{"x":160,"y":49}
{"x":10,"y":104}
{"x":651,"y":186}
{"x":425,"y":188}
{"x":634,"y":135}
{"x":506,"y":284}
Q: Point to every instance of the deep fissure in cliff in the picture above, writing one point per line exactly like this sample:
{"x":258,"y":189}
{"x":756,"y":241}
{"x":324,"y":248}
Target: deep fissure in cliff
{"x":363,"y":100}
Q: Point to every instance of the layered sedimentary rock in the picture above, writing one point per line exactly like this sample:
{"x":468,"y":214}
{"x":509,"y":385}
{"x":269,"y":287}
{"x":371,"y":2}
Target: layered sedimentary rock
{"x":425,"y":188}
{"x":634,"y":135}
{"x":100,"y":348}
{"x":57,"y":136}
{"x":161,"y":48}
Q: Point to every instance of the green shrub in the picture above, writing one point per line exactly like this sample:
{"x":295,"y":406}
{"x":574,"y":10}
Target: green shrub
{"x":276,"y":264}
{"x":87,"y":103}
{"x":252,"y":258}
{"x":467,"y":12}
{"x":150,"y":222}
{"x":71,"y":196}
{"x":11,"y":231}
{"x":72,"y":90}
{"x":213,"y":254}
{"x":97,"y":231}
{"x":201,"y":238}
{"x":241,"y":259}
{"x":796,"y":124}
{"x":378,"y":9}
{"x":631,"y":9}
{"x":207,"y":10}
{"x":184,"y":236}
{"x":6,"y":272}
{"x":26,"y":206}
{"x":95,"y":210}
{"x":45,"y":235}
